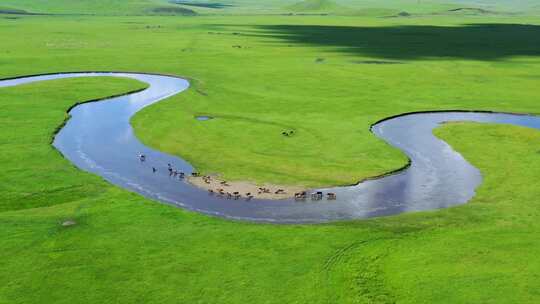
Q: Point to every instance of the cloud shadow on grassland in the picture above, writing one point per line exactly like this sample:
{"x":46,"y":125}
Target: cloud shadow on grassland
{"x":410,"y":42}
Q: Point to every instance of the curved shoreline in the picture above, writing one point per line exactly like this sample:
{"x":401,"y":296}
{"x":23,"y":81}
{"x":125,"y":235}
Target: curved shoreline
{"x":68,"y":116}
{"x":434,"y":177}
{"x":447,"y":111}
{"x":113,"y":72}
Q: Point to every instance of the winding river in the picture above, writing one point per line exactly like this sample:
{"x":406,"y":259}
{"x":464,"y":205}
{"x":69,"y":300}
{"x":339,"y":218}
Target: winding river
{"x":99,"y":139}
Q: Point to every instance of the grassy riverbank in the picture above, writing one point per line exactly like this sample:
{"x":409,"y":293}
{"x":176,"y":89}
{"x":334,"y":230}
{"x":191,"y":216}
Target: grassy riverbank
{"x":326,"y":78}
{"x":126,"y":249}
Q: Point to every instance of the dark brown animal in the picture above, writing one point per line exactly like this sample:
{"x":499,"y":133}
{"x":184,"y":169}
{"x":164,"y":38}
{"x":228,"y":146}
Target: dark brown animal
{"x":316,"y":196}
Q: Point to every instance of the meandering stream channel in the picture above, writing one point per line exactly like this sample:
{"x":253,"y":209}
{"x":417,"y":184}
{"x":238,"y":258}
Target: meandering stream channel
{"x":99,"y":139}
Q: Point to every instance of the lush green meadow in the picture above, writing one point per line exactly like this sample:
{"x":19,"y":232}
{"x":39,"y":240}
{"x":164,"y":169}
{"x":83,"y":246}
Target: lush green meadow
{"x":250,"y":7}
{"x":326,"y":77}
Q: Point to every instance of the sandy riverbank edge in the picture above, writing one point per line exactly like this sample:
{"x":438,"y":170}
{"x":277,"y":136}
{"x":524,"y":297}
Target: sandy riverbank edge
{"x":243,"y":188}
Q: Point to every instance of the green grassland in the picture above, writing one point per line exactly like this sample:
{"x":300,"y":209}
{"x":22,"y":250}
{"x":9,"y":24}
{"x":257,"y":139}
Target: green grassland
{"x":326,"y":77}
{"x":250,"y":7}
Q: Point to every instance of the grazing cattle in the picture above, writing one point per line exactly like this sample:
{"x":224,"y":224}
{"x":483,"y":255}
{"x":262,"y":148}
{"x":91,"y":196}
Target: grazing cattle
{"x":263,"y":190}
{"x":300,"y":195}
{"x":154,"y":170}
{"x":316,"y":196}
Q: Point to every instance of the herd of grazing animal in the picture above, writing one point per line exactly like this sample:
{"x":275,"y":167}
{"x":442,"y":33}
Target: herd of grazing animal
{"x":172,"y":172}
{"x":235,"y":195}
{"x":315,"y":196}
{"x":299,"y":196}
{"x":287,"y":133}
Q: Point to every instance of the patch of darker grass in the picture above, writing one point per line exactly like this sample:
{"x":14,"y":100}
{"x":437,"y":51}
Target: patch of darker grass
{"x":470,"y":10}
{"x":179,"y":11}
{"x":400,"y":14}
{"x":213,"y":5}
{"x":485,"y":41}
{"x":10,"y":11}
{"x":376,"y":62}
